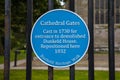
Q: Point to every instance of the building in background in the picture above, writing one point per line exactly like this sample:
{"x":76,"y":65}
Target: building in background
{"x":100,"y":20}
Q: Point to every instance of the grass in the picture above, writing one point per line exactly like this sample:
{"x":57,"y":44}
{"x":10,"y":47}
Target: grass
{"x":22,"y":55}
{"x":58,"y":75}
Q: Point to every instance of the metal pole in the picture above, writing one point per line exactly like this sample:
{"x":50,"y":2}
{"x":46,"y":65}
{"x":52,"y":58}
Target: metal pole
{"x":50,"y":69}
{"x":50,"y":73}
{"x":72,"y":5}
{"x":7,"y":39}
{"x":72,"y":72}
{"x":50,"y":4}
{"x":72,"y":68}
{"x":91,"y":46}
{"x":28,"y":31}
{"x":15,"y":59}
{"x":111,"y":39}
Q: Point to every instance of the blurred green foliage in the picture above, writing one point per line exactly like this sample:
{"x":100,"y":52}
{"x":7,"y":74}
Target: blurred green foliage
{"x":19,"y":19}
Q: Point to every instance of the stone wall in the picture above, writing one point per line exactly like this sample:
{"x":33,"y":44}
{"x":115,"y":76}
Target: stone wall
{"x":81,"y":8}
{"x":100,"y":32}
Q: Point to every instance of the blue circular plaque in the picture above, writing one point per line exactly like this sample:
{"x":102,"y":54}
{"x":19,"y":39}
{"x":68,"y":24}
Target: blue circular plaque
{"x":60,"y":38}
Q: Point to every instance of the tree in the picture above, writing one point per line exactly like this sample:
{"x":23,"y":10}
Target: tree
{"x":18,"y":20}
